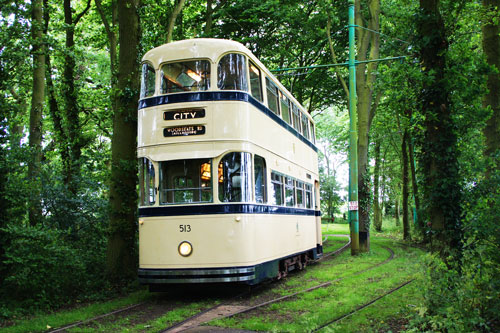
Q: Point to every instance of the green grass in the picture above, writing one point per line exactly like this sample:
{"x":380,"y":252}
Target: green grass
{"x":44,"y":322}
{"x":341,"y":229}
{"x":311,"y":310}
{"x":176,"y":315}
{"x":298,"y":314}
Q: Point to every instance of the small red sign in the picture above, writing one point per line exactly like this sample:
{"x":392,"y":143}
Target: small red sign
{"x":353,"y":205}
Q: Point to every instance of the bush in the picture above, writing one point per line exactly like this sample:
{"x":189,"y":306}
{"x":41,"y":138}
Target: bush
{"x":464,"y":295}
{"x":42,"y":269}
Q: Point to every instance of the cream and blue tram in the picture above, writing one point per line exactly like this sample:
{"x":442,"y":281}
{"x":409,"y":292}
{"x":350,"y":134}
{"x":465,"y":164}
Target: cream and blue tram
{"x":229,"y":188}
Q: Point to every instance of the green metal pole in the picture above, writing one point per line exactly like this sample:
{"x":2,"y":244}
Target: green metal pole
{"x":353,"y":138}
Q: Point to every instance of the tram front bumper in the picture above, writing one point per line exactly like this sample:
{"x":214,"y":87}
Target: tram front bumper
{"x":198,"y":275}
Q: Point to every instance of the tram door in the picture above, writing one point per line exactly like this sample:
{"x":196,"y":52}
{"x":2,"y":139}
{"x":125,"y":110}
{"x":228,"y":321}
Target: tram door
{"x":319,"y":237}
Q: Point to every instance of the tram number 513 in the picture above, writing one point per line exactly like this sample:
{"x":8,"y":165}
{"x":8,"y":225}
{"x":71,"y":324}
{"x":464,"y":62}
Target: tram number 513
{"x":185,"y":228}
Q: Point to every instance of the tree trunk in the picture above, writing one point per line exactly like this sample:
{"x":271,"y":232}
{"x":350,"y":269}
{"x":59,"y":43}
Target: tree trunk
{"x":121,"y":254}
{"x":377,"y":213}
{"x":406,"y":221}
{"x":439,"y":144}
{"x":172,"y":18}
{"x":37,"y":104}
{"x":72,"y":111}
{"x":208,"y":19}
{"x":491,"y":49}
{"x":367,"y":48}
{"x":396,"y":211}
{"x":414,"y":184}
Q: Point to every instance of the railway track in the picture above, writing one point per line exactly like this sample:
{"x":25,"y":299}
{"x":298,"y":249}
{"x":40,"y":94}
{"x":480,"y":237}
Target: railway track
{"x":228,"y":310}
{"x":233,"y":304}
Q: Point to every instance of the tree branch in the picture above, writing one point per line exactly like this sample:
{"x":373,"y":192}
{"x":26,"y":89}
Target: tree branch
{"x":334,"y":57}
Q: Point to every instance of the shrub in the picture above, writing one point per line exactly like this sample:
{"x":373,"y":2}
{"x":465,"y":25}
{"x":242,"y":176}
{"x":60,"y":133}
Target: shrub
{"x":42,"y":270}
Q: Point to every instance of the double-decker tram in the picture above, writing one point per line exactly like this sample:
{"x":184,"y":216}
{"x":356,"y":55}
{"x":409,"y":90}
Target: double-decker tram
{"x":229,"y":188}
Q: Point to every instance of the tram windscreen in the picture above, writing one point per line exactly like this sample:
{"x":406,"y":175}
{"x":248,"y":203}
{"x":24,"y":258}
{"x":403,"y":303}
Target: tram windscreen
{"x":186,"y":181}
{"x":235,"y":171}
{"x":185,"y":76}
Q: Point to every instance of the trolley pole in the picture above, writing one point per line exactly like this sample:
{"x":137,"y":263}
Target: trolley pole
{"x":353,"y":138}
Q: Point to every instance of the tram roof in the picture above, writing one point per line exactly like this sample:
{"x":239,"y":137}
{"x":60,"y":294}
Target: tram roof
{"x":208,"y":48}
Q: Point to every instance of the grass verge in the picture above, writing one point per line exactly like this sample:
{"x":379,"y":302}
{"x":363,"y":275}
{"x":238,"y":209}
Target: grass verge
{"x":309,"y":311}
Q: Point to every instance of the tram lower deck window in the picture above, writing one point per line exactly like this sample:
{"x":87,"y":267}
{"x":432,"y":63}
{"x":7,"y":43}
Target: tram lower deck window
{"x":235,"y":171}
{"x":186,"y":181}
{"x":147,"y":190}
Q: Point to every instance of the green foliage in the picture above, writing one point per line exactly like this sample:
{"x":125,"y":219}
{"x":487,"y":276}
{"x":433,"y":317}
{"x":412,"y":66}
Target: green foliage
{"x":464,"y":295}
{"x":43,"y":269}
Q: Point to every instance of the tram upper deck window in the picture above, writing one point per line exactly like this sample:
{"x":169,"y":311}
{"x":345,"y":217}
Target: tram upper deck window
{"x":305,"y":126}
{"x":147,"y":189}
{"x":147,"y":80}
{"x":285,"y":108}
{"x":272,"y":96}
{"x":296,"y":118}
{"x":231,"y":72}
{"x":185,"y":181}
{"x":235,"y":171}
{"x":185,"y":76}
{"x":313,"y":134}
{"x":255,"y":81}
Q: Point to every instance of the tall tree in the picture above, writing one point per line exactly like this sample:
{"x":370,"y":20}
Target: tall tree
{"x":74,"y":138}
{"x":377,"y":211}
{"x":121,"y":258}
{"x":37,"y":105}
{"x":491,"y":49}
{"x":368,"y":46}
{"x":438,"y":158}
{"x":404,"y":150}
{"x":173,"y":17}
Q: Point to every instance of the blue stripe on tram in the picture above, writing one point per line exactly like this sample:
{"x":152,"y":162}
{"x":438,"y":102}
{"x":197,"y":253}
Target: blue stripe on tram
{"x":224,"y":209}
{"x":221,"y":96}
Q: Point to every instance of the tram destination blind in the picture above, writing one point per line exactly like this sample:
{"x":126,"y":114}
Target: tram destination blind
{"x":183,"y":130}
{"x":184,"y":114}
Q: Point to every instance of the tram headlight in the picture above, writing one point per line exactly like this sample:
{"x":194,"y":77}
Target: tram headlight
{"x":185,"y":249}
